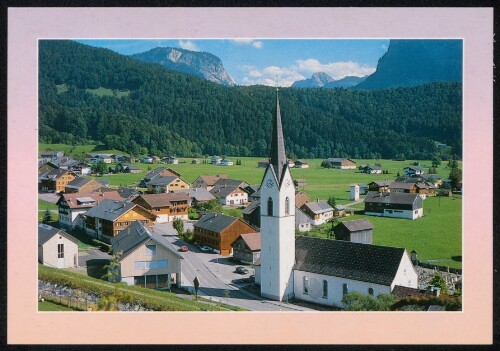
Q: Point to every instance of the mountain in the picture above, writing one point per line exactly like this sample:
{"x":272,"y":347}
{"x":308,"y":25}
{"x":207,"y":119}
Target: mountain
{"x":409,"y":63}
{"x":200,"y":64}
{"x":345,"y":82}
{"x":92,"y":94}
{"x":317,"y":80}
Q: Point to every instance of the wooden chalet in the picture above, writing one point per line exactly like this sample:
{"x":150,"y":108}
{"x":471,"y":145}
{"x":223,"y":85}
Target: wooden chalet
{"x":167,"y":206}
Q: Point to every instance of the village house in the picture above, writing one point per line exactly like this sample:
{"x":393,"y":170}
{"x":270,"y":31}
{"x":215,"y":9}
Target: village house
{"x":219,"y":231}
{"x":230,"y":195}
{"x":339,"y":163}
{"x":253,"y":192}
{"x":302,"y":221}
{"x":318,"y":211}
{"x":83,"y":185}
{"x":128,"y":168}
{"x":146,"y":258}
{"x":146,"y":159}
{"x":380,"y":186}
{"x":372,"y":170}
{"x":167,"y":207}
{"x":56,"y":248}
{"x":231,"y":182}
{"x":300,"y":182}
{"x":55,"y":180}
{"x":262,"y":164}
{"x":251,"y":213}
{"x":435,"y":179}
{"x":47,"y":156}
{"x":357,"y":231}
{"x":326,"y":270}
{"x":246,"y":248}
{"x":196,"y":195}
{"x":109,"y":218}
{"x":128,"y":194}
{"x":158,"y":172}
{"x":226,"y":162}
{"x":207,"y":181}
{"x":396,"y":205}
{"x":301,"y":164}
{"x":216,"y":160}
{"x":400,"y":187}
{"x":171,"y":160}
{"x":81,"y":169}
{"x":413,"y":170}
{"x":301,"y":198}
{"x":45,"y":167}
{"x":166,"y":184}
{"x":71,"y":206}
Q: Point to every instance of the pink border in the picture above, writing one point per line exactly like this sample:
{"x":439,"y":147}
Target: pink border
{"x":27,"y":326}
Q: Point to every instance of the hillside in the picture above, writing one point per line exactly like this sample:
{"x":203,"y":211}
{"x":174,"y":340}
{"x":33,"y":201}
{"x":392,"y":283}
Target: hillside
{"x":409,"y":63}
{"x":95,"y":94}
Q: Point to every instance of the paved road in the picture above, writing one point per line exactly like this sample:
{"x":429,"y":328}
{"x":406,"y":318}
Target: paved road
{"x":216,"y":274}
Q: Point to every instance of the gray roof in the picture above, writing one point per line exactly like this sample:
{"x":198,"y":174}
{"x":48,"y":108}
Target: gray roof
{"x":135,"y":235}
{"x":45,"y":232}
{"x":199,"y":194}
{"x":415,"y":168}
{"x":215,"y":222}
{"x":251,"y":207}
{"x":373,"y":167}
{"x":318,"y":207}
{"x":357,"y":225}
{"x":110,"y":210}
{"x":78,"y":182}
{"x":252,"y":189}
{"x":382,"y":183}
{"x":55,"y":173}
{"x":391,"y":198}
{"x":301,"y":217}
{"x":223,"y":190}
{"x":230,"y":182}
{"x":368,"y":263}
{"x":336,"y":159}
{"x":162,"y":180}
{"x":401,"y":185}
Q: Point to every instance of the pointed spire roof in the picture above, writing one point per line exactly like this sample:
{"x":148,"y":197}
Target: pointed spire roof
{"x":278,"y":156}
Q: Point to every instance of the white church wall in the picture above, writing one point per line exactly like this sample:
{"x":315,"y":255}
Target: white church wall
{"x":335,"y":286}
{"x":406,"y":274}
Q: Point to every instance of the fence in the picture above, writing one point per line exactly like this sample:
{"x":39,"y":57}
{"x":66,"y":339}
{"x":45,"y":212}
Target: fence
{"x":76,"y":303}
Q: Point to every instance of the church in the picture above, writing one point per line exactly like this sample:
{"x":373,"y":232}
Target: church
{"x":314,"y":269}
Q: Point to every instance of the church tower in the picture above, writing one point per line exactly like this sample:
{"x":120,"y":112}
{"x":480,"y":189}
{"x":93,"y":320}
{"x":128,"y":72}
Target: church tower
{"x":277,"y":219}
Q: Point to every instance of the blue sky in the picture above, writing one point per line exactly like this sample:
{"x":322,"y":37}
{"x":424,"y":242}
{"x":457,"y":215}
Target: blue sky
{"x":258,"y":61}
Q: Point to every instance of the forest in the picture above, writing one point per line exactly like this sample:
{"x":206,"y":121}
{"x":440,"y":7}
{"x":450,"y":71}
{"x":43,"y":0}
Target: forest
{"x":149,"y":109}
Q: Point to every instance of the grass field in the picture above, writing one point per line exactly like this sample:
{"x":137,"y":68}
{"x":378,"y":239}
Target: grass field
{"x":108,"y":92}
{"x":77,"y":150}
{"x":436,"y":237}
{"x":50,"y":306}
{"x":46,"y":205}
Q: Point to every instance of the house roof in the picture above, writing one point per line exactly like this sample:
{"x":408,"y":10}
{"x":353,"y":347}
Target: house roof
{"x":251,"y":207}
{"x":415,"y":168}
{"x":252,"y":189}
{"x":45,"y":232}
{"x":81,"y":200}
{"x":318,"y":207}
{"x":161,"y":171}
{"x":382,"y":183}
{"x":199,"y":194}
{"x":403,"y":292}
{"x":336,"y":159}
{"x":162,"y":200}
{"x":162,"y":180}
{"x":301,"y":162}
{"x":301,"y":217}
{"x":391,"y":198}
{"x":127,"y":192}
{"x":110,"y":210}
{"x":369,"y":263}
{"x":229,"y":181}
{"x":425,"y":185}
{"x":376,"y":168}
{"x":56,"y":173}
{"x":78,"y":182}
{"x":135,"y":235}
{"x":209,"y":180}
{"x":357,"y":225}
{"x":401,"y":185}
{"x":301,"y":198}
{"x":215,"y":222}
{"x":252,"y":240}
{"x":224,"y":190}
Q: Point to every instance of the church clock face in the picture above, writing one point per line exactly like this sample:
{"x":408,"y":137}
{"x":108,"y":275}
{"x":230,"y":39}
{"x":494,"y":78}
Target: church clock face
{"x":269,"y":183}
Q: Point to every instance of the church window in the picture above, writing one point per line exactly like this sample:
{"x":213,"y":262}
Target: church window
{"x":306,"y":285}
{"x":270,"y":207}
{"x":370,"y":291}
{"x":287,"y":206}
{"x":345,"y":289}
{"x":325,"y":288}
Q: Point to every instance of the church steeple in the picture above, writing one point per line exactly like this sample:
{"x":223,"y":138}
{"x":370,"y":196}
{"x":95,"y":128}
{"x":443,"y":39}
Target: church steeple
{"x":278,"y":156}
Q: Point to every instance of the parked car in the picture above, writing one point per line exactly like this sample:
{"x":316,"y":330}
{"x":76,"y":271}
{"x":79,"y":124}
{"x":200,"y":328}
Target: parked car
{"x":205,"y":248}
{"x":184,"y":248}
{"x":241,"y":270}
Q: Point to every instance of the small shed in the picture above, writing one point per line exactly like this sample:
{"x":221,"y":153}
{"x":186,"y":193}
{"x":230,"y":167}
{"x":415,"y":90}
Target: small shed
{"x":56,"y":248}
{"x":357,"y":231}
{"x":246,"y":248}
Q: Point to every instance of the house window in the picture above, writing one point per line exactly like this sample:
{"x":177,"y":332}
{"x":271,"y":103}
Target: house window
{"x":370,"y":291}
{"x":345,"y":289}
{"x":150,"y":250}
{"x":60,"y":250}
{"x":287,"y":206}
{"x":325,"y":289}
{"x":306,"y":285}
{"x":270,"y":207}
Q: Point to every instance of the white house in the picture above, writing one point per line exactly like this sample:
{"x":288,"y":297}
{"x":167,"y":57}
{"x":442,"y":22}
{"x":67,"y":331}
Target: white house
{"x":230,"y":195}
{"x":394,"y":204}
{"x":226,"y":163}
{"x":56,"y":248}
{"x":413,"y":170}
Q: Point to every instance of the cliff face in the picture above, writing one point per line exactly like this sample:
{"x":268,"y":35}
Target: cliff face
{"x":200,"y":64}
{"x":317,"y":80}
{"x":410,"y":63}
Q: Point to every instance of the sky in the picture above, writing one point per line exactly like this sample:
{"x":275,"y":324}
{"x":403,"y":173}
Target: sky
{"x":259,"y":61}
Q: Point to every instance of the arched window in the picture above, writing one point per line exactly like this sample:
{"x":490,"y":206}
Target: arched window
{"x":370,"y":291}
{"x":345,"y":289}
{"x":287,"y":206}
{"x":270,"y":207}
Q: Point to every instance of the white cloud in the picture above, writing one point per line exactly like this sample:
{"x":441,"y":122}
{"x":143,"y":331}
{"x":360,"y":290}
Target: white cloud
{"x":336,"y":70}
{"x":188,"y":45}
{"x":267,"y":76}
{"x":255,"y":43}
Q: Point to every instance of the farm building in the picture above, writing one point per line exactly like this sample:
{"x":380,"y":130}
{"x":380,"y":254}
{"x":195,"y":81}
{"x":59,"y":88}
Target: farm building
{"x":396,"y":205}
{"x":357,"y":231}
{"x":339,"y":163}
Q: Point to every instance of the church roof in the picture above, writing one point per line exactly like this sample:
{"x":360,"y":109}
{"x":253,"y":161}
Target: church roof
{"x":368,"y":263}
{"x":278,"y":157}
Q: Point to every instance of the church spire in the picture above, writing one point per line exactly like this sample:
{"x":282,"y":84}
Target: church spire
{"x":278,"y":156}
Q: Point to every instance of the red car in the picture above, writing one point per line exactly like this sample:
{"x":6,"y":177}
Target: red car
{"x":184,"y":248}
